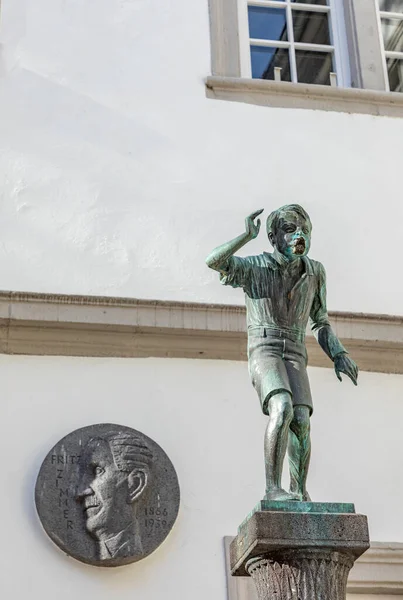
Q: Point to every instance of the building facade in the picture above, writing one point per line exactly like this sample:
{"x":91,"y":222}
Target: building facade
{"x":135,"y":137}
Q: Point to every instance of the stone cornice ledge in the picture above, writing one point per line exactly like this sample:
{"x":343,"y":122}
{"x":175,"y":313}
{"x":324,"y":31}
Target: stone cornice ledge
{"x":65,"y":325}
{"x":298,"y":95}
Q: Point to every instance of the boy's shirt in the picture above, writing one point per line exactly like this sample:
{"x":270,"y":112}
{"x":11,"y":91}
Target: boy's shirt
{"x":268,"y":304}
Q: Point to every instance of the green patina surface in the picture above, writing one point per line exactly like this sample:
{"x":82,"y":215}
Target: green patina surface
{"x":284,"y":290}
{"x":305,"y":507}
{"x":301,"y":507}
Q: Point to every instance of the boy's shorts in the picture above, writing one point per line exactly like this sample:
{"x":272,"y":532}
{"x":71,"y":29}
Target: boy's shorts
{"x":277,"y":363}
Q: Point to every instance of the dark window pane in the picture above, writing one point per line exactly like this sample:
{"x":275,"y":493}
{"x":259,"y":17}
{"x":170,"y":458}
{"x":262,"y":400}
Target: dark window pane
{"x":267,"y":23}
{"x":310,"y":27}
{"x":392,"y":31}
{"x":391,"y":5}
{"x":314,"y":67}
{"x":321,"y":2}
{"x":265,"y":59}
{"x":395,"y":72}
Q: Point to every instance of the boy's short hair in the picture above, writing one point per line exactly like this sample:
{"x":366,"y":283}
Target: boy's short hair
{"x":273,"y":219}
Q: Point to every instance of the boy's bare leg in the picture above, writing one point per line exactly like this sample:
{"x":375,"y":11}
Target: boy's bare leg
{"x":275,"y":445}
{"x":299,"y":451}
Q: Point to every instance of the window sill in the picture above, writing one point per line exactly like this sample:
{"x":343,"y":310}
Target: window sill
{"x":298,"y":95}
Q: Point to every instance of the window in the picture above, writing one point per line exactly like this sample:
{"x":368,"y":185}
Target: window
{"x":294,"y":40}
{"x":391,"y":27}
{"x":341,"y":55}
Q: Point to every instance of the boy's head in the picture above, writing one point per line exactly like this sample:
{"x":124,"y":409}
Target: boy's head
{"x":289,"y":230}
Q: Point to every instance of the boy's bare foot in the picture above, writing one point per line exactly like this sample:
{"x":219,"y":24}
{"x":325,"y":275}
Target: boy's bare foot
{"x":280,"y":495}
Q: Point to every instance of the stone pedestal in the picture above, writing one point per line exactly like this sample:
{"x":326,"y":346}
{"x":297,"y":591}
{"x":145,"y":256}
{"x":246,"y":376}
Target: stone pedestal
{"x":299,"y":550}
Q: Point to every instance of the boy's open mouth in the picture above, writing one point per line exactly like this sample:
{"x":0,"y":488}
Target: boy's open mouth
{"x":299,"y":246}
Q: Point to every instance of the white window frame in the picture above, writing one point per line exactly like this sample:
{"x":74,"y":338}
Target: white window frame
{"x":369,"y":92}
{"x":339,"y":46}
{"x":383,"y":14}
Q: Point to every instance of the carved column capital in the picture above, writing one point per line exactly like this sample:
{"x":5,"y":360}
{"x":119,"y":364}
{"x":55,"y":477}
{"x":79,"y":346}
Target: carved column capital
{"x":304,"y":574}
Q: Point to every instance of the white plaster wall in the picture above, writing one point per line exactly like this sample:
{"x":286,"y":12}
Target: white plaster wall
{"x":206,"y":417}
{"x":117,"y":175}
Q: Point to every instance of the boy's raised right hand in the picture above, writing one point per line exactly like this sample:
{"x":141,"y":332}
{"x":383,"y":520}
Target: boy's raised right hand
{"x":252,"y":228}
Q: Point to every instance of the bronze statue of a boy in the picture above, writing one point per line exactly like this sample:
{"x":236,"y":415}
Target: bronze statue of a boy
{"x":283,"y":290}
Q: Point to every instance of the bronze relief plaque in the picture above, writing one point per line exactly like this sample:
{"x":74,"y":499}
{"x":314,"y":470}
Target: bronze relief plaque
{"x":107,"y":495}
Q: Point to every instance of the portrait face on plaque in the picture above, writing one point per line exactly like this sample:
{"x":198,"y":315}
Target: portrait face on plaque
{"x":107,"y":495}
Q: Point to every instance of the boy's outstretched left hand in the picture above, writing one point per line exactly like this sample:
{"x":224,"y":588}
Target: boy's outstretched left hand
{"x":344,"y":364}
